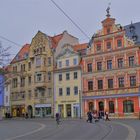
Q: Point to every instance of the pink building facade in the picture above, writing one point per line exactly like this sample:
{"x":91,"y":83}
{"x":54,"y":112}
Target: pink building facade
{"x":111,"y":72}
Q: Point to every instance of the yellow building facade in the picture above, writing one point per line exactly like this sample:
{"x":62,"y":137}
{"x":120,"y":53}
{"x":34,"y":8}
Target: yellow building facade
{"x":31,"y":79}
{"x":67,"y":83}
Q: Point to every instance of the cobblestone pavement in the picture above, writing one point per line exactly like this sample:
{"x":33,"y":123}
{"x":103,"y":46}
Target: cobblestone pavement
{"x":69,"y":129}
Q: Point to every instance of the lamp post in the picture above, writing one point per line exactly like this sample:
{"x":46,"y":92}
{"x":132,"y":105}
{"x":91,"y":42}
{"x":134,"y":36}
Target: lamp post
{"x":80,"y":106}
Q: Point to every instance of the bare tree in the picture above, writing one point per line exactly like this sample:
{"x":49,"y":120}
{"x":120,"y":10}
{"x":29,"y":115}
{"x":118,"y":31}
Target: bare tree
{"x":4,"y":55}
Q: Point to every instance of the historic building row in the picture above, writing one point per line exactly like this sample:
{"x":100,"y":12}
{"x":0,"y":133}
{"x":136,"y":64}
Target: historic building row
{"x":57,"y":74}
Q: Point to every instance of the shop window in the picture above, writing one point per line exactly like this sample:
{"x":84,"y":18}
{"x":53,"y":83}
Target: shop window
{"x":111,"y":107}
{"x":128,"y":106}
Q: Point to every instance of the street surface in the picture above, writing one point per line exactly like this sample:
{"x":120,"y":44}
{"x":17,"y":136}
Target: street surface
{"x":69,"y":129}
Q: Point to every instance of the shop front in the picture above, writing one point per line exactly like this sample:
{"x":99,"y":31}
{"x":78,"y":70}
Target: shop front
{"x":121,"y":105}
{"x":18,"y":111}
{"x":42,"y":110}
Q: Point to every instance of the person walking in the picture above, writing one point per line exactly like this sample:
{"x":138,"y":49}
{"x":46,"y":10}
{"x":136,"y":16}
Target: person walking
{"x":57,"y":118}
{"x":107,"y":116}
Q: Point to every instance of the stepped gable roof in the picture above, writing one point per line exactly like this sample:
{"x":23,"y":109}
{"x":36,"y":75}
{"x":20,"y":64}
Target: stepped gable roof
{"x":133,"y":29}
{"x":22,"y":54}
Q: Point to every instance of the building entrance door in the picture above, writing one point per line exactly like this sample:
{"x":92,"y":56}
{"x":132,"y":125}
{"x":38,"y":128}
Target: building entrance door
{"x":61,"y":110}
{"x":101,"y":106}
{"x":68,"y":110}
{"x":76,"y":111}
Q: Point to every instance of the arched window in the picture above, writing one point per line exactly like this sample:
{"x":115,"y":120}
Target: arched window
{"x":111,"y":107}
{"x":91,"y":107}
{"x":128,"y":106}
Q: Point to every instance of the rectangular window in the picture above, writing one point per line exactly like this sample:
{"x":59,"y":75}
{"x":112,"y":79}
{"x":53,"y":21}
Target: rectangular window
{"x":67,"y":76}
{"x":38,"y":77}
{"x":121,"y":81}
{"x":67,"y":63}
{"x":38,"y":61}
{"x":108,"y":45}
{"x":100,"y":84}
{"x":119,"y":43}
{"x":49,"y":76}
{"x":22,"y":82}
{"x":132,"y":81}
{"x":14,"y":68}
{"x":68,"y":91}
{"x":98,"y":47}
{"x":29,"y":80}
{"x":49,"y":61}
{"x":99,"y":65}
{"x":60,"y":77}
{"x":120,"y":62}
{"x":131,"y":61}
{"x":89,"y":67}
{"x":75,"y":75}
{"x":90,"y":85}
{"x":75,"y":61}
{"x":15,"y":83}
{"x":110,"y":83}
{"x":109,"y":64}
{"x":75,"y":90}
{"x":49,"y":92}
{"x":29,"y":66}
{"x":60,"y":91}
{"x":60,"y":64}
{"x":22,"y":67}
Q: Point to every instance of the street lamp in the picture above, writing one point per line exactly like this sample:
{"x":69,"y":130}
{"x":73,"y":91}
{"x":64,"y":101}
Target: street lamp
{"x":80,"y":101}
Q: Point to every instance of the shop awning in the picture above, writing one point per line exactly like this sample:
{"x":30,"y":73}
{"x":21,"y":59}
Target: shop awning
{"x":42,"y":105}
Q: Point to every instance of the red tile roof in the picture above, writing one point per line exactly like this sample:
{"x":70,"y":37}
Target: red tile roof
{"x":80,"y":47}
{"x":55,"y":40}
{"x":22,"y":53}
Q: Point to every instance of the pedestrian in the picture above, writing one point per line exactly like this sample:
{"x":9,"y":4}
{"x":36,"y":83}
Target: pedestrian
{"x":107,"y":116}
{"x":57,"y":115}
{"x":88,"y":113}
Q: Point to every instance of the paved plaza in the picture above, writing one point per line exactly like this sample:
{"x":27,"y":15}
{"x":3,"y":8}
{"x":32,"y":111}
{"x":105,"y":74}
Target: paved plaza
{"x":69,"y":129}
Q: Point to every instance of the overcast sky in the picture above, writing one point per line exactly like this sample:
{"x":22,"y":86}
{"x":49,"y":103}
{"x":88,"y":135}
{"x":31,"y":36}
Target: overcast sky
{"x":21,"y":19}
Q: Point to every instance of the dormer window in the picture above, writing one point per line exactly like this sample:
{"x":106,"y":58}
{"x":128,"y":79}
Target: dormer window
{"x":98,"y":48}
{"x":108,"y":45}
